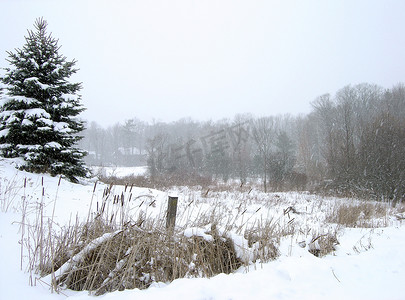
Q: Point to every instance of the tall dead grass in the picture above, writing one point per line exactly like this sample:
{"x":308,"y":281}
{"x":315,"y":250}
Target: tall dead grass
{"x":359,"y":214}
{"x":9,"y":188}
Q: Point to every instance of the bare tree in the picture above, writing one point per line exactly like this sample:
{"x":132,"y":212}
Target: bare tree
{"x":325,"y":116}
{"x":263,"y":132}
{"x":241,"y":147}
{"x":157,"y":148}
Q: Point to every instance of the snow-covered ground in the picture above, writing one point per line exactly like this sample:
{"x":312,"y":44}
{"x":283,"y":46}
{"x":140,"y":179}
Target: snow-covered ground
{"x":369,"y":263}
{"x":120,"y":172}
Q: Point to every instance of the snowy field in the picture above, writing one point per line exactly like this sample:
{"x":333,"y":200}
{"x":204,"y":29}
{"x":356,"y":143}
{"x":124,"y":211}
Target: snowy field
{"x":368,"y":261}
{"x":119,"y":172}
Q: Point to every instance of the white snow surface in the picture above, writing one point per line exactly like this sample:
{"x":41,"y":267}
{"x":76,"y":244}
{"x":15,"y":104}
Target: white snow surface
{"x":36,"y":81}
{"x":36,"y":112}
{"x":196,"y":231}
{"x":69,"y":97}
{"x":4,"y":132}
{"x":5,"y":99}
{"x":368,"y":264}
{"x":120,"y":172}
{"x":54,"y":145}
{"x":26,"y":122}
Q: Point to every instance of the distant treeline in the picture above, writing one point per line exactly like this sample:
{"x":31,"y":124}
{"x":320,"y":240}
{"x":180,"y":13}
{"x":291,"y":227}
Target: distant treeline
{"x":352,"y":143}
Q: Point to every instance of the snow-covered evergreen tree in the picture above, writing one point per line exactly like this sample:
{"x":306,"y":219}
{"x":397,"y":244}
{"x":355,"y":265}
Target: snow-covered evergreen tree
{"x":39,"y":108}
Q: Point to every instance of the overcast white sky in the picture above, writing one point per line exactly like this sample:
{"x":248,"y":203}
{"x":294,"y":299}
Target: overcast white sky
{"x":212,"y":59}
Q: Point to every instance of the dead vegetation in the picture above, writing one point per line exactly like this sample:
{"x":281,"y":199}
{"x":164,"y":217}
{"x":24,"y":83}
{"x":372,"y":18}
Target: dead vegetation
{"x":324,"y":244}
{"x":102,"y":259}
{"x":360,"y":214}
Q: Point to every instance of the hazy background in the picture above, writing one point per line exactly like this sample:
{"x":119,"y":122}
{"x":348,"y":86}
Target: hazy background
{"x":165,"y":60}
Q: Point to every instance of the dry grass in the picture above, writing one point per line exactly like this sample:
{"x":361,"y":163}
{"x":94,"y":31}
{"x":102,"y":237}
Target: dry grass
{"x":134,"y":257}
{"x":323,"y":244}
{"x":363,"y":214}
{"x":267,"y":236}
{"x":9,"y":188}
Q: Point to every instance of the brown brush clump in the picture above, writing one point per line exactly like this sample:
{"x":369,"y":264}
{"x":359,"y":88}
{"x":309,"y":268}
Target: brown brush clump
{"x":212,"y":257}
{"x":105,"y":259}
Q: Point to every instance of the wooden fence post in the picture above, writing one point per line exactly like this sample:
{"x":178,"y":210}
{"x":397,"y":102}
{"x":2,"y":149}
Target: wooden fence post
{"x":171,"y":212}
